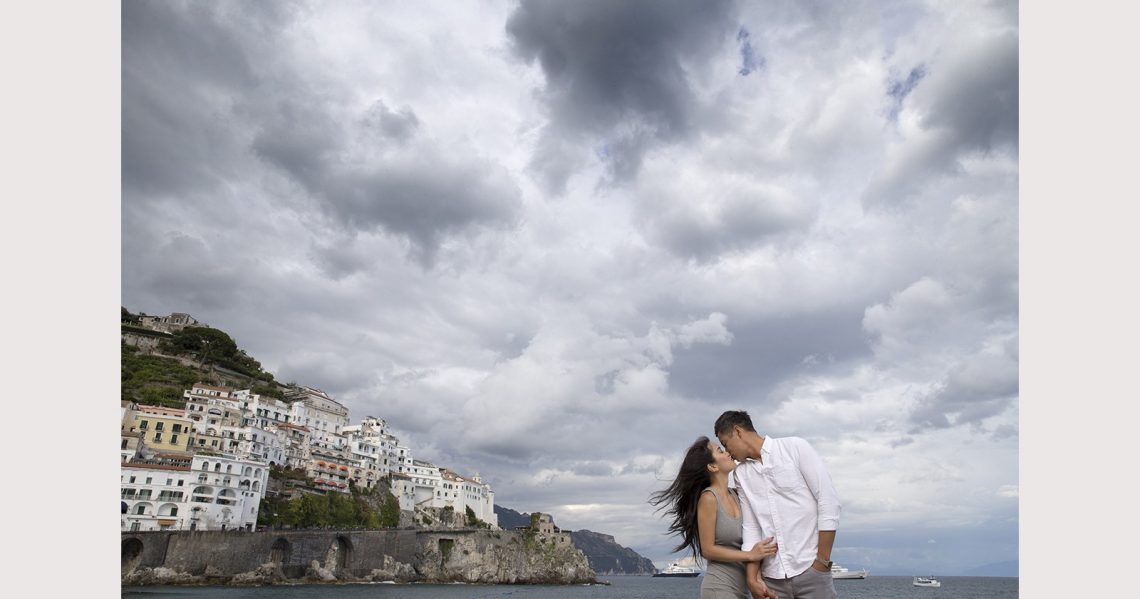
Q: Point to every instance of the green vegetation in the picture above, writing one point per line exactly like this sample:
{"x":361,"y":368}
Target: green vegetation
{"x":212,"y":346}
{"x":154,"y":380}
{"x":376,"y":508}
{"x":126,"y":317}
{"x":474,"y":521}
{"x":161,"y":379}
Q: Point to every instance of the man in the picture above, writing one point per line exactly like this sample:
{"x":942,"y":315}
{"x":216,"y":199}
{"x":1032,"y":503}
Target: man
{"x":786,"y":493}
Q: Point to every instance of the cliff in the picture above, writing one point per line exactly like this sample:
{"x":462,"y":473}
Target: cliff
{"x":602,"y":551}
{"x":606,"y":556}
{"x":331,"y":556}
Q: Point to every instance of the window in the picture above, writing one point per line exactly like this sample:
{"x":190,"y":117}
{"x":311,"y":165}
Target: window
{"x":173,"y":511}
{"x":124,"y":444}
{"x":174,"y":438}
{"x":158,"y":426}
{"x":169,"y":481}
{"x":158,"y":437}
{"x":148,"y":479}
{"x":179,"y":482}
{"x":143,"y":424}
{"x":132,"y":479}
{"x":177,"y":428}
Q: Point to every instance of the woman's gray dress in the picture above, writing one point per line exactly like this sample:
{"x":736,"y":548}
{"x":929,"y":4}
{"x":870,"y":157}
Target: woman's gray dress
{"x":725,"y":580}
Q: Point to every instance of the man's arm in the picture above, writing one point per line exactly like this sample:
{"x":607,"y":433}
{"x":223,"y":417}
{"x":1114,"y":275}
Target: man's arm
{"x":818,"y":480}
{"x":756,"y":584}
{"x":826,"y":540}
{"x":752,"y":532}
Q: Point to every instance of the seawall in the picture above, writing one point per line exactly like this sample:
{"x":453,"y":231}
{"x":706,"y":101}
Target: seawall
{"x":290,"y":556}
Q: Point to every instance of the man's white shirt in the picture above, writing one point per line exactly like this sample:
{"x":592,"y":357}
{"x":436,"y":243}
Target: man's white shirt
{"x":787,"y":495}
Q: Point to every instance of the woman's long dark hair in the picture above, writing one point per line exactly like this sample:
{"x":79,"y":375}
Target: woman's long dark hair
{"x":679,"y":500}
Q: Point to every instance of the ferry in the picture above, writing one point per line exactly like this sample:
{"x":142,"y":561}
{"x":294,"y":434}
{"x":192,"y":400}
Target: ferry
{"x":927,"y":581}
{"x":685,"y":568}
{"x":840,"y":573}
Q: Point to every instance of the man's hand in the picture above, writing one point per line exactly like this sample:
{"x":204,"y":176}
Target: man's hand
{"x":760,"y":590}
{"x":819,"y":567}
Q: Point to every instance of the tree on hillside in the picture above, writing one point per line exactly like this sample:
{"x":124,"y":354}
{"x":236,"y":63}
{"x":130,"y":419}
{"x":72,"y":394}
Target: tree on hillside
{"x":207,"y":343}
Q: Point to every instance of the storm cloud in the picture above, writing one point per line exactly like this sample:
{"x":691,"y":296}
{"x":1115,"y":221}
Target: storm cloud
{"x":618,"y":74}
{"x":552,"y":241}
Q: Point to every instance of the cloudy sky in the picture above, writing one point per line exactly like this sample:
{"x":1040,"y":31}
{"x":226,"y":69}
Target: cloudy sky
{"x":551,"y":241}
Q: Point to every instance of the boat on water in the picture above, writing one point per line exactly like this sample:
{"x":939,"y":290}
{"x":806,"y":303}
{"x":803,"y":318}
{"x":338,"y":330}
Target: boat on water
{"x":840,"y":573}
{"x":682,"y":568}
{"x":927,"y":581}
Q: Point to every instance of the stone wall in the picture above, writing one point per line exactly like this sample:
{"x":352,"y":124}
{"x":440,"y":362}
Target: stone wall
{"x":267,"y":557}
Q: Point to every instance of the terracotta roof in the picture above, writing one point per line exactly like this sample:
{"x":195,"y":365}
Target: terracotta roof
{"x":148,"y":466}
{"x":149,"y":409}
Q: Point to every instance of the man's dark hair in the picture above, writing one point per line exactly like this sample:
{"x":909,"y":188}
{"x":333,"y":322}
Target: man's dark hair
{"x":730,"y":419}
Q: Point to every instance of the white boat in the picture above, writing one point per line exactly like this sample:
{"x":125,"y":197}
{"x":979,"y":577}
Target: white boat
{"x":927,"y":581}
{"x":682,"y":568}
{"x":839,"y":572}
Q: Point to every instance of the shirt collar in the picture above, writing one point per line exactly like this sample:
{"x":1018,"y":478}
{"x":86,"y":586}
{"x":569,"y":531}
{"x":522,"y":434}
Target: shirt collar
{"x":763,"y":450}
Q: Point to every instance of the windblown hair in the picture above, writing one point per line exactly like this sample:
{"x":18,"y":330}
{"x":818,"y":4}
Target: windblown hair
{"x":730,"y":419}
{"x":679,"y":500}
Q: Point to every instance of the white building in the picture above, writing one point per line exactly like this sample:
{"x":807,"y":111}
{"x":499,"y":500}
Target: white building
{"x":263,"y":411}
{"x":370,"y":444}
{"x":170,"y":324}
{"x":212,"y":408}
{"x":461,"y":493}
{"x":425,"y":481}
{"x":298,"y":449}
{"x":198,"y":492}
{"x":324,"y":416}
{"x":254,"y":443}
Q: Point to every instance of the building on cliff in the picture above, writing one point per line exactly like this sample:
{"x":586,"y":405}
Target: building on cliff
{"x":243,"y":430}
{"x":324,"y":416}
{"x":191,"y":492}
{"x":169,"y":324}
{"x":160,"y":428}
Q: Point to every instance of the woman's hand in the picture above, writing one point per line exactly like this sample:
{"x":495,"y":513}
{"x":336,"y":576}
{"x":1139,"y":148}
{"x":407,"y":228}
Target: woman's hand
{"x":762,"y":549}
{"x":759,"y":589}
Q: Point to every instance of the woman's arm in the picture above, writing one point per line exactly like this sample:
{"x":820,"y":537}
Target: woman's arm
{"x":706,"y":533}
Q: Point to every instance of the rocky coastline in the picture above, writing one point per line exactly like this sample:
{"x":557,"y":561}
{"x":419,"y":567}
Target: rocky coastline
{"x":345,"y":557}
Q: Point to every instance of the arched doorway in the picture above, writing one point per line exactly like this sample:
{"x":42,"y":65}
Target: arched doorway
{"x":339,"y":556}
{"x":279,"y":553}
{"x":132,"y":549}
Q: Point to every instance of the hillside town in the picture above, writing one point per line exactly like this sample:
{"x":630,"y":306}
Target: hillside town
{"x":206,"y":465}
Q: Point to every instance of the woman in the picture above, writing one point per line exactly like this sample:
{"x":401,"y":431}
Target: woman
{"x":706,"y":513}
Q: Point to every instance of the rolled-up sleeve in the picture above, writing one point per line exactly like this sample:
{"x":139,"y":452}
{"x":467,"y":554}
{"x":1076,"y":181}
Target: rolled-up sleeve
{"x":819,"y":481}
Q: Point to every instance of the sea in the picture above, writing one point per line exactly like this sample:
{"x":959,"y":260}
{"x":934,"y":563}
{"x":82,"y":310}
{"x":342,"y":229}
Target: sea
{"x":620,"y":587}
